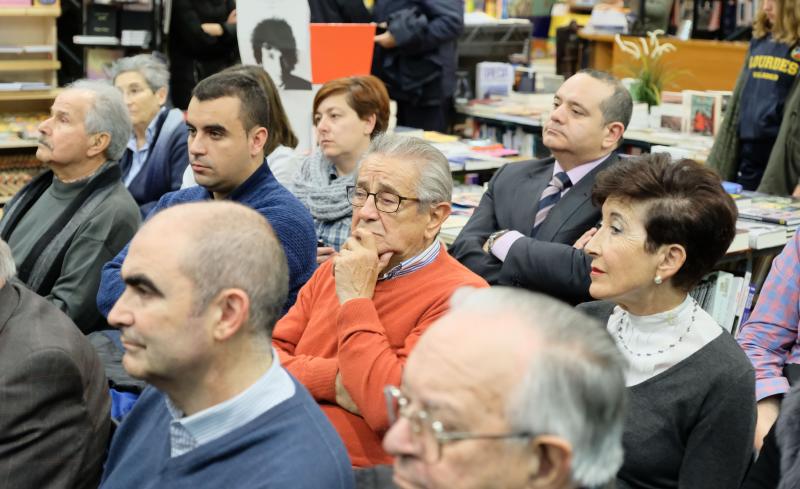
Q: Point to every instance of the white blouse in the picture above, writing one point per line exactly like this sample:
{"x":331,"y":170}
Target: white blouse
{"x":652,"y":344}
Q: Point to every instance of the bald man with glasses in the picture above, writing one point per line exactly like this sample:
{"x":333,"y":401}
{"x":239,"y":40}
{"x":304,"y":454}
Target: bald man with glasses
{"x":360,"y":315}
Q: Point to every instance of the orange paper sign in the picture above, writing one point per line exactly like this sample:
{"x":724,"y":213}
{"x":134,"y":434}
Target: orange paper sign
{"x":339,"y":50}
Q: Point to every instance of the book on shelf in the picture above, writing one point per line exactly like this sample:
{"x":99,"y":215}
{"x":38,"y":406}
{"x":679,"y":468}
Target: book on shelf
{"x":95,"y":40}
{"x":723,"y":296}
{"x":770,"y":208}
{"x":746,"y":292}
{"x":699,"y":107}
{"x":762,"y":235}
{"x":741,"y":241}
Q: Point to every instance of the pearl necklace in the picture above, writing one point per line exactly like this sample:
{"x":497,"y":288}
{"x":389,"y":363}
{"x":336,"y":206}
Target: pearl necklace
{"x":622,"y":322}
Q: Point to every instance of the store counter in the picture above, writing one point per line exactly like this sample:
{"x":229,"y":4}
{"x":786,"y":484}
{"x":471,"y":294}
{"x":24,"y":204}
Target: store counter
{"x":706,"y":65}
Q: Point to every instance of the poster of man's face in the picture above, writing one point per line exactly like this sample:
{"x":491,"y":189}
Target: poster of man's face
{"x":274,"y":34}
{"x":277,"y":41}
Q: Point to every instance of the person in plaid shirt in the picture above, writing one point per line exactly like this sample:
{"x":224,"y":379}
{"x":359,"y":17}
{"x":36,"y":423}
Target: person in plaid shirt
{"x":770,"y":336}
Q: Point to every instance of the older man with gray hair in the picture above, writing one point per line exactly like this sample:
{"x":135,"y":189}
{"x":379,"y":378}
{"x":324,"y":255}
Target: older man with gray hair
{"x":66,"y":223}
{"x":54,"y":420}
{"x":509,"y":389}
{"x":156,"y":156}
{"x":360,"y":315}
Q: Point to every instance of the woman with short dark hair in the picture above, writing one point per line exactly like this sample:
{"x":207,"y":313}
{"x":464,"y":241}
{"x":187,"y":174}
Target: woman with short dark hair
{"x":348,"y":114}
{"x":691,"y":399}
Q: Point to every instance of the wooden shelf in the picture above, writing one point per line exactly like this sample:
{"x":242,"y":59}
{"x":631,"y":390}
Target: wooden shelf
{"x":18,"y":144}
{"x":29,"y":65}
{"x":29,"y":95}
{"x":40,"y":11}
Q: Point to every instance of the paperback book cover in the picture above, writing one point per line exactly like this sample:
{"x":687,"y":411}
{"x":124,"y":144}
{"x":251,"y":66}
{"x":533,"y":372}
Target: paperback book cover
{"x":700,"y":109}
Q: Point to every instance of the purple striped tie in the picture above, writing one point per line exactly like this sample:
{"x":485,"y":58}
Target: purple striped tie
{"x":550,"y":197}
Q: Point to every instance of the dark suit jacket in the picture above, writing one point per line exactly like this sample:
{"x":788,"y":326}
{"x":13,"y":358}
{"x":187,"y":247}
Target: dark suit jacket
{"x":547,"y":263}
{"x":54,"y":403}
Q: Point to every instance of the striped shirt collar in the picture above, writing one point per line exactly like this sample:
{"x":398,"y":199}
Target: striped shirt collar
{"x":414,"y":263}
{"x":188,"y":433}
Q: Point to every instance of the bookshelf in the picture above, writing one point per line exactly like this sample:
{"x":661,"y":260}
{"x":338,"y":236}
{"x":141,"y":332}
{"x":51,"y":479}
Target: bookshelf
{"x":28,"y":64}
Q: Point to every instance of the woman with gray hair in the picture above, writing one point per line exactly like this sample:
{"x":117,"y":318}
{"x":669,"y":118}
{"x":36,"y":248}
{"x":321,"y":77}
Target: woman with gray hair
{"x":156,"y":155}
{"x":690,"y":387}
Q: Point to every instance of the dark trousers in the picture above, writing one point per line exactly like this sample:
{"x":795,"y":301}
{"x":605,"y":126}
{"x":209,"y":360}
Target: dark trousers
{"x":753,"y":157}
{"x":429,"y":118}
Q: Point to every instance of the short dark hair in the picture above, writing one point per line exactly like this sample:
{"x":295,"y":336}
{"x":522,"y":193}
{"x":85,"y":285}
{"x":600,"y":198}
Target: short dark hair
{"x":280,"y":130}
{"x":275,"y":33}
{"x":253,"y":107}
{"x":366,"y":95}
{"x":618,"y":107}
{"x":686,"y":205}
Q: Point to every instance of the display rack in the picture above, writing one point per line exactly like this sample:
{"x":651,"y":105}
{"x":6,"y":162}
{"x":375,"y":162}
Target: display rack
{"x":28,"y":64}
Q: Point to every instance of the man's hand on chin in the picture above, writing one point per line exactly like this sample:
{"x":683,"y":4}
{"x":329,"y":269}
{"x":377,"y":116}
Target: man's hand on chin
{"x":357,"y":266}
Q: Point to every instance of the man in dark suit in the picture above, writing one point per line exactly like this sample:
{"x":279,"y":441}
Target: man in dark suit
{"x":523,"y":231}
{"x":54,"y":419}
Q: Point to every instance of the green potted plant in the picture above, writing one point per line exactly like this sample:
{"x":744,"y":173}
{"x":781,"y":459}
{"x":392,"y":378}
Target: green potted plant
{"x":648,"y":69}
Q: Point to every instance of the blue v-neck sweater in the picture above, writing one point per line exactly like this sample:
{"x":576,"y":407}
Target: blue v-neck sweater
{"x":293,"y":445}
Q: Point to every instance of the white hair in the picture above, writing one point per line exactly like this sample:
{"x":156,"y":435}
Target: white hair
{"x":7,"y":266}
{"x":152,"y":68}
{"x":107,"y":113}
{"x":574,"y":385}
{"x":435,"y":181}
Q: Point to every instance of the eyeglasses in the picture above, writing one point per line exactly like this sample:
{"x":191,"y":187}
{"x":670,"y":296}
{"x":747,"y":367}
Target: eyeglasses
{"x":429,"y":433}
{"x":384,"y":201}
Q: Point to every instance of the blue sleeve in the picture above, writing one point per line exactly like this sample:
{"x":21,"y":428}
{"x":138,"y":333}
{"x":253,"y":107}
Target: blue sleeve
{"x":178,"y":157}
{"x":442,"y":21}
{"x":296,"y":234}
{"x":111,"y":284}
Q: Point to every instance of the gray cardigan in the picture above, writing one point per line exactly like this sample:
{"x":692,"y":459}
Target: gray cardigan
{"x":692,"y":425}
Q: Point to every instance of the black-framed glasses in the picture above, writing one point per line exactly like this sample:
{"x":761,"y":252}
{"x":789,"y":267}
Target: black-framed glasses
{"x":384,"y":201}
{"x":429,"y":433}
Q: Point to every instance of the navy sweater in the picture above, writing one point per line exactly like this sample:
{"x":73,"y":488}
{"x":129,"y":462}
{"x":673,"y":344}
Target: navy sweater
{"x":289,"y":219}
{"x":293,"y":445}
{"x":166,"y":161}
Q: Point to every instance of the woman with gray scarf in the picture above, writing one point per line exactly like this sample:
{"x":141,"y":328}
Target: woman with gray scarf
{"x":348,"y":113}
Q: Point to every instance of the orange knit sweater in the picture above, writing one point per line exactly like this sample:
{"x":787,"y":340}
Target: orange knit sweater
{"x":367,"y":340}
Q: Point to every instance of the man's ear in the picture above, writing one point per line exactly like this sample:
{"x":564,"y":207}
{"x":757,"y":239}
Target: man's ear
{"x":232,"y":313}
{"x":258,"y":139}
{"x":98,"y":143}
{"x":551,"y":467}
{"x":614,"y":132}
{"x":438,"y":214}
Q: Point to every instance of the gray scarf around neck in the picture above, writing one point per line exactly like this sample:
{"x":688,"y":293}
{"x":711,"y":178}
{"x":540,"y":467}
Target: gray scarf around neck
{"x":326,"y":199}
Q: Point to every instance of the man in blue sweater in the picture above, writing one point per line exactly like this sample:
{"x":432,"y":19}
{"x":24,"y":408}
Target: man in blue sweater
{"x":227,"y":121}
{"x":204,"y":286}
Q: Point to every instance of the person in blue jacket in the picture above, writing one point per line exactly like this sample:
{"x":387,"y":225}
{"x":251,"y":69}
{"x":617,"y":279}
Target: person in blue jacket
{"x":156,"y":155}
{"x":416,"y":57}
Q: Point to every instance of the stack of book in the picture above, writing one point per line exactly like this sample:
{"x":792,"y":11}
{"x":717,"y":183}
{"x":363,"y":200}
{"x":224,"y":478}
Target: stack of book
{"x":770,"y":220}
{"x":726,"y":297}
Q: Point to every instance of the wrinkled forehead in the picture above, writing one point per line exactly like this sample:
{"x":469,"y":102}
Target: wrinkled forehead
{"x":73,"y":102}
{"x":385,"y":172}
{"x":455,"y":363}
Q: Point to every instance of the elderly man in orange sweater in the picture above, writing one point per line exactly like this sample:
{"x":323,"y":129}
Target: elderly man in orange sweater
{"x":355,"y":322}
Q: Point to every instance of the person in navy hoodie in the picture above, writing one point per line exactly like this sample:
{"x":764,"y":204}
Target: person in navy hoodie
{"x":156,"y":156}
{"x":204,"y":285}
